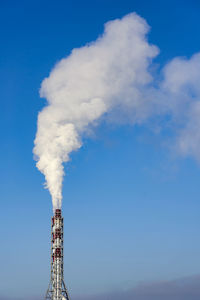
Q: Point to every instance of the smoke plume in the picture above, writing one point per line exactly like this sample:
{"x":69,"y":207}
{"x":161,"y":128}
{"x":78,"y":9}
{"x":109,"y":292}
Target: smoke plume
{"x":111,"y":77}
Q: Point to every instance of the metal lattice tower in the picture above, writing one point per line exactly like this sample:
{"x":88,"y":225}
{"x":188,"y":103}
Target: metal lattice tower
{"x":57,"y":289}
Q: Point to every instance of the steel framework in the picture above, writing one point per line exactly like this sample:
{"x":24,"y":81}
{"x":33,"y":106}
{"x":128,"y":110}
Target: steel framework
{"x":57,"y":289}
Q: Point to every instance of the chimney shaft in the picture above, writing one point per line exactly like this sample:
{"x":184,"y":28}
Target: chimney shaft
{"x":57,"y":289}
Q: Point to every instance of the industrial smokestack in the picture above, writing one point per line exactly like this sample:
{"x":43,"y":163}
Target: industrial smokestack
{"x":57,"y":289}
{"x":111,"y":78}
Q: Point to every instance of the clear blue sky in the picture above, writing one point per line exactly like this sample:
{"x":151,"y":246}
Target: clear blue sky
{"x":131,"y":209}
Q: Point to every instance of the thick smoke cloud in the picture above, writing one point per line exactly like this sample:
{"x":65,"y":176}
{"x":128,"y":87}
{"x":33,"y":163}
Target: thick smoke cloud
{"x":94,"y":79}
{"x":111,"y":78}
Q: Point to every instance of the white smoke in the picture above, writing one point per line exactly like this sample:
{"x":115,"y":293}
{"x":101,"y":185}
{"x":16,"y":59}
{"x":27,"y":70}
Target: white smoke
{"x":181,"y":87}
{"x":110,"y":75}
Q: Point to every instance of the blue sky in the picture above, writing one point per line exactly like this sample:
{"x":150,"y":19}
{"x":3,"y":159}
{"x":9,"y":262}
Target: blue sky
{"x":131,"y":207}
